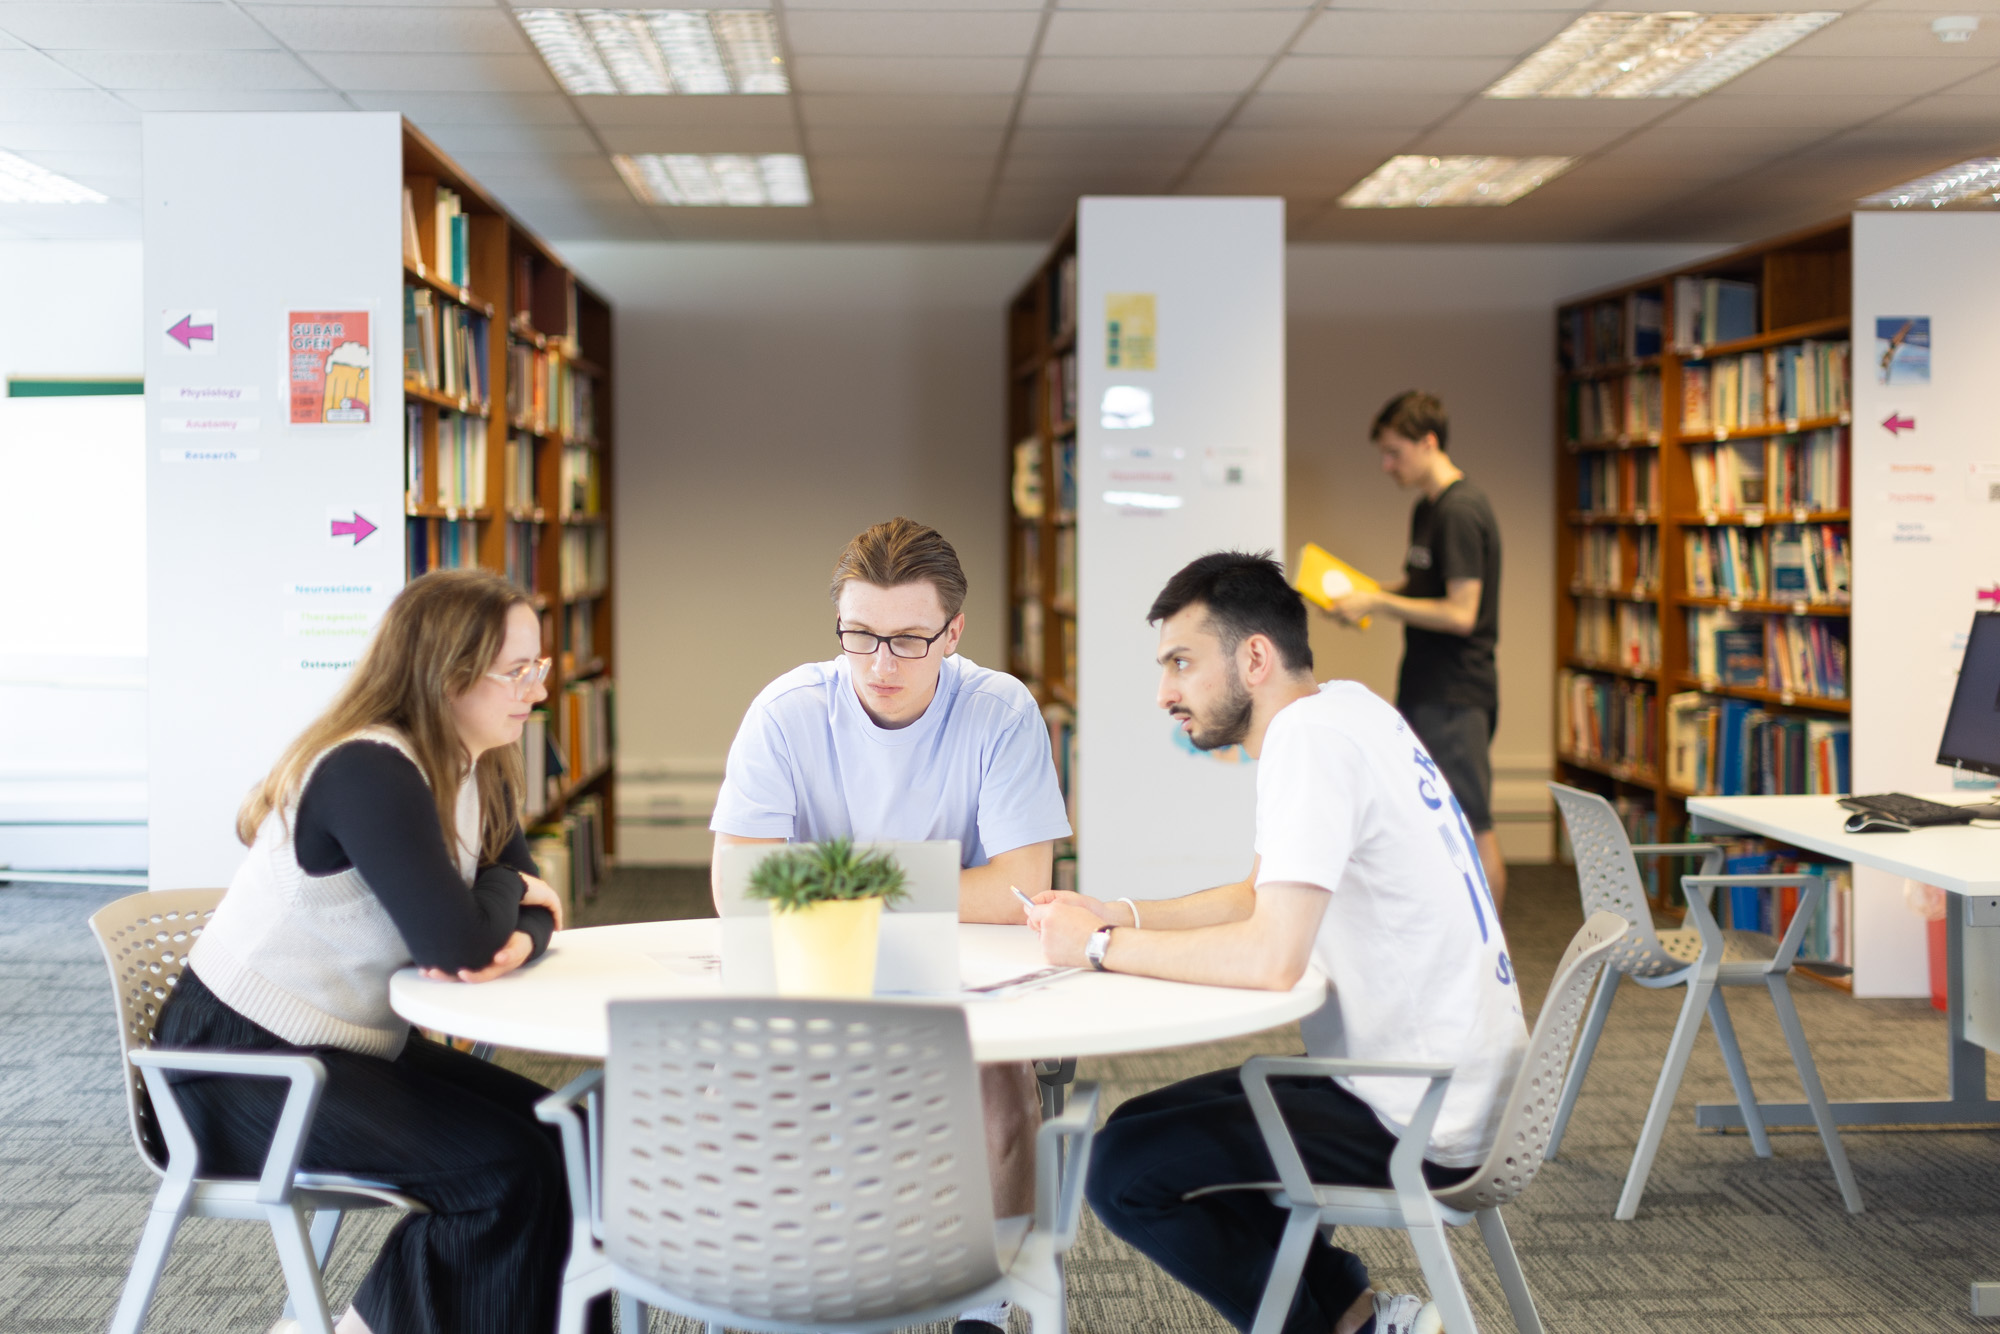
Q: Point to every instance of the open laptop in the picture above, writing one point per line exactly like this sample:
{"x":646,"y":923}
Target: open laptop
{"x":918,"y":953}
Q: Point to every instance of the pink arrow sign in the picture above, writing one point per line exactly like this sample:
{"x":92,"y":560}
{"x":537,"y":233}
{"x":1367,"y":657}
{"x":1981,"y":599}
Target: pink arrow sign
{"x":187,"y":331}
{"x":1895,"y":425}
{"x":360,"y":527}
{"x":1989,"y":595}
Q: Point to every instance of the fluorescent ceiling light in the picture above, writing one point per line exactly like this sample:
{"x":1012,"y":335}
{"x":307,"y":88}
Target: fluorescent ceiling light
{"x":656,"y":51}
{"x":22,"y":182}
{"x":738,"y":180}
{"x":1416,"y":181}
{"x":1654,"y":55}
{"x":1975,"y":183}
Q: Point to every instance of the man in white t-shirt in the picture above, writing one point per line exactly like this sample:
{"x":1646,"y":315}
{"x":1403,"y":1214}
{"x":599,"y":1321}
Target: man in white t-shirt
{"x":1366,"y":867}
{"x":899,"y":738}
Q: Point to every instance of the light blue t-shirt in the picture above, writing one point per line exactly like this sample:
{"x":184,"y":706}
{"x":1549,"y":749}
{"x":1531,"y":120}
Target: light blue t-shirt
{"x":809,"y":764}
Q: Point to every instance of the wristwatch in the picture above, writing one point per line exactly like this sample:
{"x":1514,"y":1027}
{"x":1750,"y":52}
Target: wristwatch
{"x":1093,"y":949}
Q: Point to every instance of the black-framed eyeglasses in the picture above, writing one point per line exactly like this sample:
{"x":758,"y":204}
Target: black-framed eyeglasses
{"x":861,"y":643}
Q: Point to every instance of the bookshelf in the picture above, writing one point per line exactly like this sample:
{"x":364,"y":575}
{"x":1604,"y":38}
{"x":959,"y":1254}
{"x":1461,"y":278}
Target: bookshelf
{"x":1041,"y":508}
{"x":1704,"y":560}
{"x":507,"y":467}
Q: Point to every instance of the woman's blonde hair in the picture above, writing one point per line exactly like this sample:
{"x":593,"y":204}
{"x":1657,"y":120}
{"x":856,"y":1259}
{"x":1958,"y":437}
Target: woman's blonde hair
{"x":437,"y":639}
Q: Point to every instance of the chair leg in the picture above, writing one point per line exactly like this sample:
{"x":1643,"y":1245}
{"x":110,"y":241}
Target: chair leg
{"x":1507,"y":1266}
{"x":1433,"y":1250}
{"x":1663,"y":1099}
{"x":325,"y":1229}
{"x":295,"y":1256}
{"x":147,"y":1265}
{"x":631,"y":1314}
{"x":1739,"y":1074}
{"x":586,"y":1279}
{"x":1286,"y":1267}
{"x":1047,"y":1312}
{"x":1586,"y":1046}
{"x":1795,"y":1038}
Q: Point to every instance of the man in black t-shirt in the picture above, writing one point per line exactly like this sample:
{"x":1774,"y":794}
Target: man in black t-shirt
{"x":1449,"y":602}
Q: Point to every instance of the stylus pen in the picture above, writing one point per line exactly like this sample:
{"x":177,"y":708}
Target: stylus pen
{"x":1015,"y":890}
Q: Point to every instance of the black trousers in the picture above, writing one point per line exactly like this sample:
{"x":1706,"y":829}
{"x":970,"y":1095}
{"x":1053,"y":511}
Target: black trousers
{"x":1201,"y":1132}
{"x":454,"y":1131}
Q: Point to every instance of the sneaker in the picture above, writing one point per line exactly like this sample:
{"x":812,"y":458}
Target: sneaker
{"x":983,"y":1320}
{"x":1398,"y":1314}
{"x":1428,"y":1320}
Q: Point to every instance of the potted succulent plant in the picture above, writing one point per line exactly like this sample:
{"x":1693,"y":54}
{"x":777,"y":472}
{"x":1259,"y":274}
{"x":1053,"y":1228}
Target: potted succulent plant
{"x":826,"y":912}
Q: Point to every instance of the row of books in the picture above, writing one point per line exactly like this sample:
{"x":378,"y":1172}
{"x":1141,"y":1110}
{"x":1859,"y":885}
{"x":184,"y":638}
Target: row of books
{"x":1615,"y":408}
{"x":579,"y":635}
{"x":523,"y":555}
{"x":1607,"y":720}
{"x":583,"y":562}
{"x":1601,"y":565}
{"x":1028,"y":561}
{"x":1061,"y":720}
{"x":543,"y":768}
{"x":1605,"y":333}
{"x":1066,"y":564}
{"x":1062,"y":390}
{"x":1733,"y":747}
{"x":440,"y":544}
{"x":1027,"y":485}
{"x":1027,"y":644}
{"x":414,"y":472}
{"x":1713,"y":310}
{"x":585,"y":725}
{"x":1620,"y":634}
{"x":1621,"y":483}
{"x":1797,"y":382}
{"x":549,"y":396}
{"x":1062,"y":297}
{"x":1784,"y":562}
{"x":451,"y":250}
{"x":1770,"y":909}
{"x":461,"y":461}
{"x":1788,"y":472}
{"x":519,"y":480}
{"x":444,"y":346}
{"x":1797,"y":655}
{"x":578,"y":489}
{"x":570,"y":854}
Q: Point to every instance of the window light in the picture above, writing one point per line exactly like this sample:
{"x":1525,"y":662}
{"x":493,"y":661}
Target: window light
{"x":1417,"y":181}
{"x":737,"y":180}
{"x":656,"y":51}
{"x":22,"y":182}
{"x":1654,"y":55}
{"x":1973,"y":183}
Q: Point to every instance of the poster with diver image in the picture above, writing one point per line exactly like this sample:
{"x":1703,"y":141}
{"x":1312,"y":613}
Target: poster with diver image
{"x":1903,"y":349}
{"x":327,"y":367}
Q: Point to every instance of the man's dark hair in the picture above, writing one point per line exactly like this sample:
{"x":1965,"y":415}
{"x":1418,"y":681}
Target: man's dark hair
{"x":1413,"y":415}
{"x":1245,"y":595}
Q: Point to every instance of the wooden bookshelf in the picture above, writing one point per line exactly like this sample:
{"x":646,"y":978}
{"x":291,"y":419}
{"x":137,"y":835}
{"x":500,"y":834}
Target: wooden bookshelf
{"x":1802,"y":299}
{"x":513,"y":471}
{"x":1041,"y":505}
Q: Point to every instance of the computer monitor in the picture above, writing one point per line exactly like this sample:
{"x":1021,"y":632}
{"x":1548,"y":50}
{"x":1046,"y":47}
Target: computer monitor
{"x":1971,"y":737}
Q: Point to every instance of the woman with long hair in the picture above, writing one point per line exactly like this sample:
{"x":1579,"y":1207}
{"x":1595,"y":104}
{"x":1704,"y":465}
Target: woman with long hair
{"x":389,"y":833}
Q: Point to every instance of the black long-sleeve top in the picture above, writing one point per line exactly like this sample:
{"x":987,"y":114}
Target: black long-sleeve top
{"x":368,"y":808}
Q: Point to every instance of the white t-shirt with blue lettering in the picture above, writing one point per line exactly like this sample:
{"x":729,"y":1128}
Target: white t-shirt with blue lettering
{"x":808,"y":764}
{"x":1349,"y":800}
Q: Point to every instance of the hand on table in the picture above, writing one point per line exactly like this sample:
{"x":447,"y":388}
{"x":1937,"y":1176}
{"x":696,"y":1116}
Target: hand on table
{"x":1065,"y":925}
{"x":539,"y":895}
{"x":511,"y":956}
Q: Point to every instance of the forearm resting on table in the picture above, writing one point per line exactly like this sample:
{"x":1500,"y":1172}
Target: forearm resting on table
{"x":985,"y":893}
{"x":1208,"y":907}
{"x":1269,"y":948}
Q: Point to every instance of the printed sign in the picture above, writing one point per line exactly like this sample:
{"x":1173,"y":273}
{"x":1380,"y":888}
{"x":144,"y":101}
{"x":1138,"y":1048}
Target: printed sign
{"x":1903,"y":349}
{"x":327,"y":367}
{"x":1130,"y":324}
{"x":188,"y":333}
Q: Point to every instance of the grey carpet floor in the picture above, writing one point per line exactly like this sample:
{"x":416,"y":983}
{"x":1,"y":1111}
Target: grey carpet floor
{"x":1723,"y":1242}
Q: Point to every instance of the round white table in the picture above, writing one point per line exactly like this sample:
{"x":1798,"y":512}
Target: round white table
{"x":557,"y":1003}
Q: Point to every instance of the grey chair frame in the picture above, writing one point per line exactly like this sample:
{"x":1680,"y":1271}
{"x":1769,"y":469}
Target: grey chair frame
{"x":1025,"y":1254}
{"x":1408,"y":1203}
{"x":145,"y":938}
{"x":1704,"y":959}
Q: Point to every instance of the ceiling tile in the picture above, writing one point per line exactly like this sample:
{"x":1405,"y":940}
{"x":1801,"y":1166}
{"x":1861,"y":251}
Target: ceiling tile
{"x":431,"y":108}
{"x":1859,"y":75}
{"x":1145,"y":75}
{"x":1932,"y":7}
{"x":84,"y":26}
{"x":400,"y":28}
{"x":739,"y":224}
{"x":1411,"y":110}
{"x":1192,"y":33}
{"x":514,"y":139}
{"x":1231,"y":6}
{"x":1560,"y":113}
{"x":1517,"y":143}
{"x":1110,"y":144}
{"x":1729,"y":110}
{"x":902,"y":171}
{"x":1949,"y":109}
{"x":116,"y":221}
{"x":1301,"y":148}
{"x":1693,"y":143}
{"x":233,"y":70}
{"x":672,"y":112}
{"x":1360,"y":74}
{"x":1123,"y":177}
{"x":32,"y":69}
{"x":26,"y":136}
{"x":61,"y":105}
{"x":499,"y":169}
{"x":700,"y":139}
{"x":894,"y":33}
{"x":1433,"y":32}
{"x":910,"y":109}
{"x":435,"y":73}
{"x":918,"y":138}
{"x":1138,"y":109}
{"x":892,"y":74}
{"x":204,"y":99}
{"x":1979,"y":84}
{"x":368,"y":4}
{"x":1903,"y":35}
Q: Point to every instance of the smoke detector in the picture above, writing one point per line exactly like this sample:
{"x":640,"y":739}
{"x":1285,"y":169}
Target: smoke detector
{"x":1955,"y":28}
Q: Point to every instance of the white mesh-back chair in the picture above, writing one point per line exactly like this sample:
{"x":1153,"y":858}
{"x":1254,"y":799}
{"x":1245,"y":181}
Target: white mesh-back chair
{"x":1408,"y":1203}
{"x":781,"y":1164}
{"x":145,"y":939}
{"x":1704,"y":959}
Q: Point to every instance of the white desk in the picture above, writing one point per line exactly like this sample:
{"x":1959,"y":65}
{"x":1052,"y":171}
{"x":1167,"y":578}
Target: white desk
{"x":1959,"y":859}
{"x":557,"y":1003}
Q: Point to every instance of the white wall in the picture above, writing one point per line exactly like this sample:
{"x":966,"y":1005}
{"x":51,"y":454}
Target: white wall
{"x":772,"y":400}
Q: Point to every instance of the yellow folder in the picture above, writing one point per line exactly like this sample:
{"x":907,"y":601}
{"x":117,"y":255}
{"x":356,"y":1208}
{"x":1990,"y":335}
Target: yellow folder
{"x":1324,"y":576}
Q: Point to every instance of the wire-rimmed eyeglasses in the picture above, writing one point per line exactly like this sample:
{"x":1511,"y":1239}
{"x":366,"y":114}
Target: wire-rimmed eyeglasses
{"x":525,"y":677}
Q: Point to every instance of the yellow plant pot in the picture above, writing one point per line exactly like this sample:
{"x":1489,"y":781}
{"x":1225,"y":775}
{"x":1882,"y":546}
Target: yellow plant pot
{"x":826,"y":948}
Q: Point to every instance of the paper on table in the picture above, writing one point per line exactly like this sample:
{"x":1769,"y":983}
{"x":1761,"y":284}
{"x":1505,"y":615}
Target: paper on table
{"x":688,"y":964}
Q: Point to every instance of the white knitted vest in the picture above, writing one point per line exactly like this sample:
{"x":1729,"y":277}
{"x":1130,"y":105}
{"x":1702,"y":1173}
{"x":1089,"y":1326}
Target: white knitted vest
{"x":309,"y":957}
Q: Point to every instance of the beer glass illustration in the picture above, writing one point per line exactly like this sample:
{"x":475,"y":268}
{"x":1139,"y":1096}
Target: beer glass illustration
{"x":347,"y":383}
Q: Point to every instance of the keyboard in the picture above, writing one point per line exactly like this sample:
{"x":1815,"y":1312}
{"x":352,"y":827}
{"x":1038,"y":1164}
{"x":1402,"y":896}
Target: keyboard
{"x":1914,"y":811}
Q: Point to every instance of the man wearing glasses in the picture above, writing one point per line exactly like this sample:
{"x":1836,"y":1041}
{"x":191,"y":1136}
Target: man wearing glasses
{"x":898,"y":738}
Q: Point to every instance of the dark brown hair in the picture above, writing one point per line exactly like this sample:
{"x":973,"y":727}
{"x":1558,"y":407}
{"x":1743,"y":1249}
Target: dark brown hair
{"x":1244,"y":594}
{"x":903,"y":551}
{"x":1413,"y":415}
